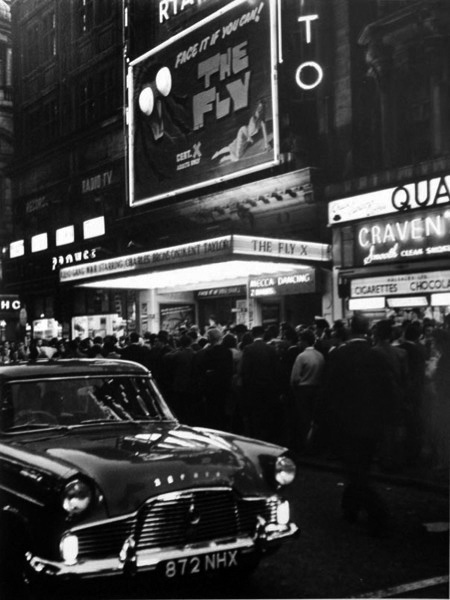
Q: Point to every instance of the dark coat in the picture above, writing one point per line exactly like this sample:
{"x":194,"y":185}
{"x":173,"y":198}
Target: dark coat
{"x":358,"y":391}
{"x":260,"y":368}
{"x":137,"y":353}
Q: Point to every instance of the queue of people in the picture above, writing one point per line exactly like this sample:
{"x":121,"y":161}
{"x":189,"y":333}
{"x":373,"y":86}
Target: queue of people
{"x":309,"y":387}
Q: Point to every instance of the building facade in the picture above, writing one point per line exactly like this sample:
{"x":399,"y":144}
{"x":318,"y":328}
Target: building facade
{"x":208,"y":162}
{"x":10,"y":306}
{"x":391,"y":228}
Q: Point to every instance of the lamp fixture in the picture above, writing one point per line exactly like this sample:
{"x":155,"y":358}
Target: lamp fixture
{"x":133,"y":244}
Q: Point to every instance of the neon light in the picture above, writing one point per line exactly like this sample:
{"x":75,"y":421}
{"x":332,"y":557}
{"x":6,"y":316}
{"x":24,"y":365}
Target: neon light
{"x":366,"y":303}
{"x":307,"y":20}
{"x":17,"y":249}
{"x":440,"y":299}
{"x":311,"y":65}
{"x":408,"y":301}
{"x":39,"y":242}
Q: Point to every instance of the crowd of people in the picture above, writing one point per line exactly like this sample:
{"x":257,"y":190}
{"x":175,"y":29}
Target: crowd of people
{"x":303,"y":386}
{"x":360,"y":393}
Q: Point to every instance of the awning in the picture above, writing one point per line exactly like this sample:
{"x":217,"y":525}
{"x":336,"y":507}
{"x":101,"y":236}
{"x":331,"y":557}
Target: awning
{"x":198,"y":264}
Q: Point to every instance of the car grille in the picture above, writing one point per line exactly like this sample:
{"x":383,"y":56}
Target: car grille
{"x":178,"y":519}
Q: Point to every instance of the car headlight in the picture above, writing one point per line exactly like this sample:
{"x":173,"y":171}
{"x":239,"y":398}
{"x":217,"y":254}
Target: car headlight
{"x":69,"y":549}
{"x":283,"y":513}
{"x":77,"y":496}
{"x":285,"y":470}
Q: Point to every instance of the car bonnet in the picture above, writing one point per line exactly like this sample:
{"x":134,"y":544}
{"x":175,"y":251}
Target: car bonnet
{"x":130,"y":464}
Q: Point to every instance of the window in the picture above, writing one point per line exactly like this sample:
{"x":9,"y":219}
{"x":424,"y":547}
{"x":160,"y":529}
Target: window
{"x":33,"y":124}
{"x":108,"y":92}
{"x":50,"y":120}
{"x":86,"y":102}
{"x":48,"y":36}
{"x":32,"y":48}
{"x":85,"y":15}
{"x":103,"y":10}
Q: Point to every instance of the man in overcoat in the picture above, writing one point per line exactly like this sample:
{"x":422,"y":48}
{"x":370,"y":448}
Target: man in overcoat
{"x":359,"y":394}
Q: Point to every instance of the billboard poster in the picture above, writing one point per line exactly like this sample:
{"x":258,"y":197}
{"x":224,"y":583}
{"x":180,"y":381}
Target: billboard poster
{"x":172,"y":317}
{"x":203,"y":105}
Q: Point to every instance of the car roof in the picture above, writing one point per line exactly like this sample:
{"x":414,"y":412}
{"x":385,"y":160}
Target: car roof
{"x":70,"y":367}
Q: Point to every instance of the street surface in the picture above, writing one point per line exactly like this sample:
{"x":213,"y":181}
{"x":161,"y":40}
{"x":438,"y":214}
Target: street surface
{"x":332,"y":559}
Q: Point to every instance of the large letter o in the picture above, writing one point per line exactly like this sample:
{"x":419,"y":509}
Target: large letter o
{"x":309,"y":86}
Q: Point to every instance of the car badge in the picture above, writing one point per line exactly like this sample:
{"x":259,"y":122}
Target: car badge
{"x":193,"y":514}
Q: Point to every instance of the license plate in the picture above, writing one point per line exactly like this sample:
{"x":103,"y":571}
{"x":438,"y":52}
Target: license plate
{"x":204,"y":563}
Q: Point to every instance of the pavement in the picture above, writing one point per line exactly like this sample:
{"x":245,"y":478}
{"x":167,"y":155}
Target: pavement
{"x":422,"y":475}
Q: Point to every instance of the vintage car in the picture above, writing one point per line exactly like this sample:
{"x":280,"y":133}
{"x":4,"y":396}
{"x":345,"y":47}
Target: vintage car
{"x":99,"y":479}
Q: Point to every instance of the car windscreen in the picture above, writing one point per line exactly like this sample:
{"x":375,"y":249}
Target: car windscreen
{"x":79,"y":400}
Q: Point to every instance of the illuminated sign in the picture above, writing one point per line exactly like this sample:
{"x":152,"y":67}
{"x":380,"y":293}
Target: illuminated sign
{"x":366,"y":303}
{"x":216,"y":248}
{"x":73,"y":257}
{"x":281,"y":248}
{"x":17,"y":249}
{"x":39,"y":242}
{"x":405,"y":238}
{"x":309,"y":74}
{"x":203,"y":104}
{"x":9,"y":303}
{"x":169,"y":9}
{"x":65,"y":235}
{"x":94,"y":228}
{"x":296,"y":282}
{"x":411,"y":196}
{"x":401,"y":285}
{"x":231,"y":290}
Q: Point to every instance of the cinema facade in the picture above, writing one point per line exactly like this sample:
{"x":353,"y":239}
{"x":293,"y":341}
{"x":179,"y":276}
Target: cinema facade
{"x":233,"y":178}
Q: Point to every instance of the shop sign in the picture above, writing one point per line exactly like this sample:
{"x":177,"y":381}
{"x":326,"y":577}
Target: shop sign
{"x":220,"y":292}
{"x":97,"y":182}
{"x":404,"y":198}
{"x":206,"y":249}
{"x":73,"y":257}
{"x":309,"y":74}
{"x":36,"y":204}
{"x":403,"y":239}
{"x":9,"y":304}
{"x":401,"y":285}
{"x":202,"y":106}
{"x":212,"y":249}
{"x":278,"y":248}
{"x":282,"y":284}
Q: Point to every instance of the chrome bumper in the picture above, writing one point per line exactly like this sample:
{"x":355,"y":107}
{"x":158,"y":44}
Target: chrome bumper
{"x":131,"y":561}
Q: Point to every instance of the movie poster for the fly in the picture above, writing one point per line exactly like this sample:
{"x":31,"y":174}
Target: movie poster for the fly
{"x":202,"y":105}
